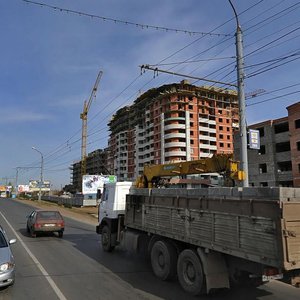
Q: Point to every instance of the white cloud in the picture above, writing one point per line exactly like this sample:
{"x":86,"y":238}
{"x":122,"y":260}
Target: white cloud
{"x":10,"y":115}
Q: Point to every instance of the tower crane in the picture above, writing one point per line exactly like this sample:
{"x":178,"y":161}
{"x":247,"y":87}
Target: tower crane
{"x":83,"y":117}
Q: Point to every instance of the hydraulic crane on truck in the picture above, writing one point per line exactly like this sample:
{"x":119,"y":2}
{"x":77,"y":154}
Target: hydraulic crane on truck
{"x":83,"y":117}
{"x":224,"y":164}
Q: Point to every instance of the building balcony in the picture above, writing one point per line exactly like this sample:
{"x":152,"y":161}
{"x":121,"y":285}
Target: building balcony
{"x":174,"y":119}
{"x":207,"y":129}
{"x":207,"y":138}
{"x":174,"y":126}
{"x":175,"y":144}
{"x":208,"y":147}
{"x":175,"y":135}
{"x":206,"y":120}
{"x":175,"y":153}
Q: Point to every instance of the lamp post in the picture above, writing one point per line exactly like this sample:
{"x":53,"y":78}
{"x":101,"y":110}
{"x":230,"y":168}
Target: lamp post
{"x":241,"y":98}
{"x":41,"y":178}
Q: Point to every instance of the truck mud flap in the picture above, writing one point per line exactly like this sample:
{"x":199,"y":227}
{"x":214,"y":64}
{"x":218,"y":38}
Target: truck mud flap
{"x":215,"y":269}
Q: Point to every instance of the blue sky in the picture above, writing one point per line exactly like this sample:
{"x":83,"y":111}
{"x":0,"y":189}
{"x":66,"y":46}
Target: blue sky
{"x":50,"y":60}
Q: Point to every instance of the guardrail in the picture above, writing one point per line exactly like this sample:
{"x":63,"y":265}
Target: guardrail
{"x":68,"y":202}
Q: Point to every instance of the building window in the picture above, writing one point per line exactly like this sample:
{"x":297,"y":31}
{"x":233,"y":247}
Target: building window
{"x":298,"y":168}
{"x":262,"y":150}
{"x":228,"y":145}
{"x":263,"y":184}
{"x":297,"y":123}
{"x":220,"y":120}
{"x":283,"y":127}
{"x":190,"y":106}
{"x":192,"y":142}
{"x":192,"y":132}
{"x":286,"y":183}
{"x":284,"y":166}
{"x":284,"y":146}
{"x":261,"y":131}
{"x":221,"y":136}
{"x":228,"y":137}
{"x":220,"y":127}
{"x":262,"y":168}
{"x":221,"y":144}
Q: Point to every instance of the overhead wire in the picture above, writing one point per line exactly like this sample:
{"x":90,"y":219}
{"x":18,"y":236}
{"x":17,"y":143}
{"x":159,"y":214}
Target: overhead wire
{"x":118,"y":21}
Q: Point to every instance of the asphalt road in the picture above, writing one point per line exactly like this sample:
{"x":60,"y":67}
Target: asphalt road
{"x":75,"y":267}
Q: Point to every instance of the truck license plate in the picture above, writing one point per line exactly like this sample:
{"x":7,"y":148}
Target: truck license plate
{"x":272,"y":277}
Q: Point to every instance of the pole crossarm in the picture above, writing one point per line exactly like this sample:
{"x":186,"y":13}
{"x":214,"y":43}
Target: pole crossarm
{"x":148,"y":67}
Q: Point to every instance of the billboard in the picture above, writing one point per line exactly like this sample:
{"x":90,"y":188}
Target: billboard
{"x":22,"y":188}
{"x":34,"y":186}
{"x":91,"y":183}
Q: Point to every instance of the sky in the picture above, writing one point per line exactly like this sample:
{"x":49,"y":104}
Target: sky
{"x":52,"y":50}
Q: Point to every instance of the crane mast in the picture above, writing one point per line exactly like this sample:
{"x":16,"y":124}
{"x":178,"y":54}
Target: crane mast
{"x":83,"y":117}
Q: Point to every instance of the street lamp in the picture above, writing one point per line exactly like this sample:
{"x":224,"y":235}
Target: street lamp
{"x":241,"y":98}
{"x":41,"y":178}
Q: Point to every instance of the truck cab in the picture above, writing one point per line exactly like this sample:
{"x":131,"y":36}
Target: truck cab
{"x":111,"y":210}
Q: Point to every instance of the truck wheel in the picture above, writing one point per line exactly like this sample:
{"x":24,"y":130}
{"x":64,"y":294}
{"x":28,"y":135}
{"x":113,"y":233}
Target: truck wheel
{"x":106,"y":239}
{"x":189,"y":272}
{"x":163,"y":260}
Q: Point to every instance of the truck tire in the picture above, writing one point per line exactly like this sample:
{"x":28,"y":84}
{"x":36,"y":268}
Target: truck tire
{"x":190,"y":273}
{"x":106,"y":239}
{"x":163,"y":260}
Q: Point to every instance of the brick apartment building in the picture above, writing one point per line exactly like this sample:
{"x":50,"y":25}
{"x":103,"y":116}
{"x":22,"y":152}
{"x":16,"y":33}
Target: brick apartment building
{"x":277,"y":162}
{"x":171,"y":123}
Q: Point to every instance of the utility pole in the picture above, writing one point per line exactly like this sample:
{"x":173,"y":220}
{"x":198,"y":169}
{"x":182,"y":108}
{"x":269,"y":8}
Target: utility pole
{"x":241,"y":99}
{"x":17,"y":175}
{"x":41,"y":179}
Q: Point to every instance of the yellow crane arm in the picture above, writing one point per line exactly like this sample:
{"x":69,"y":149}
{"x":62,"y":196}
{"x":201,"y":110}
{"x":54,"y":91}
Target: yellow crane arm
{"x":219,"y":163}
{"x":83,"y":116}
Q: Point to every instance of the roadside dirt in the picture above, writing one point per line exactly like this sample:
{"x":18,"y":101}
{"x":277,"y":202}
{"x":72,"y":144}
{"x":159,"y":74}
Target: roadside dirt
{"x":85,"y":214}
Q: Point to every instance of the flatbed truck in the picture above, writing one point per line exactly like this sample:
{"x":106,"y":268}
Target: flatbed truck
{"x":209,"y":238}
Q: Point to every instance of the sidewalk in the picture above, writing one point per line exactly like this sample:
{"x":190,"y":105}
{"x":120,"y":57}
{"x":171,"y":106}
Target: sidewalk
{"x":86,"y":214}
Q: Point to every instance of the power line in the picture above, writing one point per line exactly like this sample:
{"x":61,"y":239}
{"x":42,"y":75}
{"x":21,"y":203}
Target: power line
{"x":270,"y":99}
{"x":193,"y":61}
{"x":118,"y":21}
{"x":263,"y":70}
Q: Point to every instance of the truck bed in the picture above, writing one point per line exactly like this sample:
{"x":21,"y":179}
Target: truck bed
{"x":259,"y":224}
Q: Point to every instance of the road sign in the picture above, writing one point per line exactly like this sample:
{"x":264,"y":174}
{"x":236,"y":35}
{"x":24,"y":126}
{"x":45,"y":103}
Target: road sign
{"x":254,"y":139}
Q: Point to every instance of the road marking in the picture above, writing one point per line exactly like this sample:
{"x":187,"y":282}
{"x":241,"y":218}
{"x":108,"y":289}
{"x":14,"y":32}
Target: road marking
{"x":57,"y":291}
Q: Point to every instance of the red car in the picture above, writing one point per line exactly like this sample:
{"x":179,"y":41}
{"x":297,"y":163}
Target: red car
{"x":40,"y":221}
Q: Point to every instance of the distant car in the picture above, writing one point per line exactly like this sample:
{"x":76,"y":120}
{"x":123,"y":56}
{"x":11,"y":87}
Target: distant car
{"x":42,"y":221}
{"x":7,"y":263}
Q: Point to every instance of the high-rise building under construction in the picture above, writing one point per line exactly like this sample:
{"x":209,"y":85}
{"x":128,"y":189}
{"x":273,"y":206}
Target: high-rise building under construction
{"x":174,"y":122}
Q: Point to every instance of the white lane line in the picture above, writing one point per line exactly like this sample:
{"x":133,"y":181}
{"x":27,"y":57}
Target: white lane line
{"x":57,"y":291}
